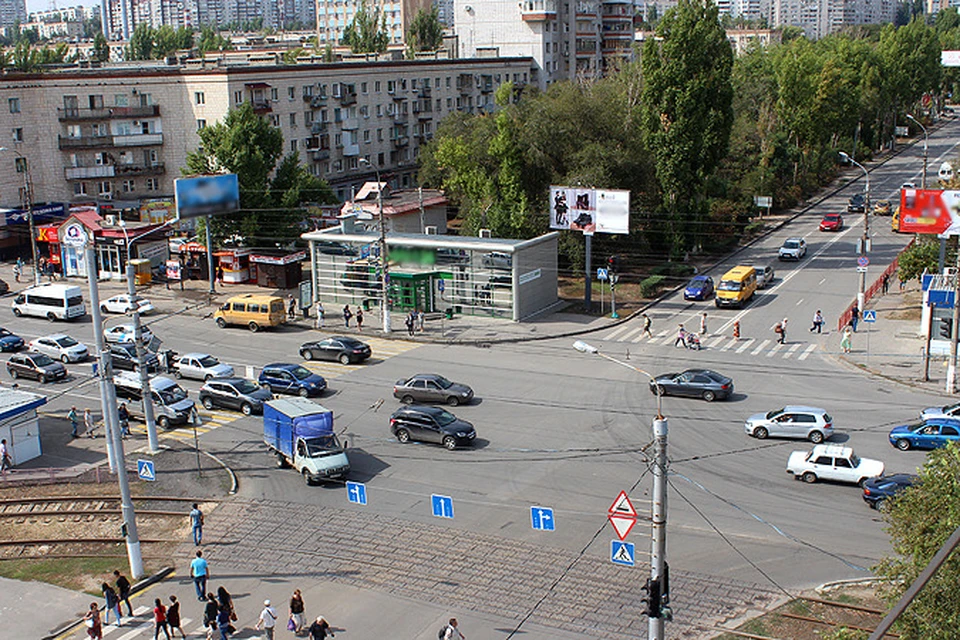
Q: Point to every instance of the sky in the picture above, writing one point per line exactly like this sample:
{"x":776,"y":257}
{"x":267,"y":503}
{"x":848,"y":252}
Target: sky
{"x":45,"y":5}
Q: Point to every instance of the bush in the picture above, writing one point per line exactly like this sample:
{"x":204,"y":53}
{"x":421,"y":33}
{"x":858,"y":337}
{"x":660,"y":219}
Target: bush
{"x":650,"y":286}
{"x":674,"y":269}
{"x":754,"y":227}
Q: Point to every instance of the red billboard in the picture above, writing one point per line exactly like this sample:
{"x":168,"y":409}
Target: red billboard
{"x":929,"y":211}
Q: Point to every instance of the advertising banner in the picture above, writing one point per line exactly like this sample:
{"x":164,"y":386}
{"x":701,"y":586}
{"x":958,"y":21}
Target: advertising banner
{"x":207,"y":195}
{"x":589,"y":210}
{"x":930,"y":211}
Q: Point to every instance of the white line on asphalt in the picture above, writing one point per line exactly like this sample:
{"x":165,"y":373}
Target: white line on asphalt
{"x":630,"y":333}
{"x":822,"y":281}
{"x":745,"y":346}
{"x":792,"y":350}
{"x":728,"y":345}
{"x":774,"y":349}
{"x":799,"y":302}
{"x":807,"y":352}
{"x":760,"y":348}
{"x":617,"y":331}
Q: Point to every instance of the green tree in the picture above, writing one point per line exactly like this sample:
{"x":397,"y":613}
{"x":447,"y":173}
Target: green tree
{"x":141,"y":43}
{"x":367,"y":32}
{"x":211,"y":40}
{"x":101,"y":50}
{"x":425,"y":32}
{"x":922,"y":256}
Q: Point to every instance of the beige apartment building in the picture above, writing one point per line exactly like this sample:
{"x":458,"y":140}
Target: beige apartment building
{"x":120,"y":134}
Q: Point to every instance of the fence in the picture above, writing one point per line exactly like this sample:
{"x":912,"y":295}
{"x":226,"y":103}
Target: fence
{"x":889,"y":272}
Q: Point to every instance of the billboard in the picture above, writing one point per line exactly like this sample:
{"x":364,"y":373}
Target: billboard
{"x":207,"y":195}
{"x":590,"y":210}
{"x":930,"y":211}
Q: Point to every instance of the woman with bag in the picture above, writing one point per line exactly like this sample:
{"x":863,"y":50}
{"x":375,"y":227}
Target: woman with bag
{"x":113,"y":603}
{"x":160,"y":618}
{"x":295,"y":623}
{"x":210,"y":613}
{"x":92,"y":622}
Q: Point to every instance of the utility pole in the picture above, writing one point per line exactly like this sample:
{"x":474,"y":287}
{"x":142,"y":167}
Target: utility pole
{"x":210,"y":271}
{"x":659,"y":583}
{"x":952,"y":367}
{"x":26,"y":198}
{"x":384,"y":262}
{"x":148,"y":416}
{"x":865,"y":238}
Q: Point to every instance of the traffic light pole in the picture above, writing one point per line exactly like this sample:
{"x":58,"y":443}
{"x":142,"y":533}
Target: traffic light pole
{"x":952,"y":368}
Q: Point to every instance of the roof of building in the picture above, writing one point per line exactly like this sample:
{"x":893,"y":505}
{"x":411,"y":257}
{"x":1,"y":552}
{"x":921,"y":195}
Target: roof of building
{"x":507,"y":245}
{"x":399,"y":202}
{"x":14,"y":402}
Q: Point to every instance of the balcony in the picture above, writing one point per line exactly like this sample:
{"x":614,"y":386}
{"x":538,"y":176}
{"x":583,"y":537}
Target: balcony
{"x":400,"y":118}
{"x":399,"y":94}
{"x":75,"y":115}
{"x":400,"y":141}
{"x":89,"y":173}
{"x":465,"y":83}
{"x":138,"y":140}
{"x":350,"y":124}
{"x":350,"y":150}
{"x":348,"y":97}
{"x":155,"y":169}
{"x":318,"y":101}
{"x":538,"y":10}
{"x":113,"y":171}
{"x":318,"y":127}
{"x":93,"y":142}
{"x":261,"y":106}
{"x":320,"y":154}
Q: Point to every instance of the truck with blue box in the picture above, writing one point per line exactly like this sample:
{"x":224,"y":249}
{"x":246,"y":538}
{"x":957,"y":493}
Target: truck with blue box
{"x":300,"y":433}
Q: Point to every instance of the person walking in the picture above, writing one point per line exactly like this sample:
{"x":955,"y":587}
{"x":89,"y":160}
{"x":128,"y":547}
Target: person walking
{"x":226,"y":602}
{"x":420,"y":320}
{"x":646,"y":326}
{"x":703,"y":325}
{"x":74,"y":422}
{"x":292,"y":309}
{"x":92,"y":622}
{"x":17,"y":270}
{"x":268,"y":620}
{"x":359,"y":319}
{"x":124,"y":416}
{"x":223,"y":623}
{"x":320,"y":319}
{"x":854,"y":317}
{"x":196,"y":524}
{"x":681,"y":337}
{"x":123,"y":590}
{"x":173,"y":617}
{"x":88,"y":425}
{"x":160,"y":619}
{"x":219,"y":274}
{"x":296,"y":611}
{"x":817,"y":322}
{"x":6,"y":461}
{"x":885,"y":286}
{"x":347,"y":315}
{"x":410,"y":324}
{"x":781,"y":333}
{"x":210,"y":612}
{"x":453,"y":631}
{"x":846,"y":342}
{"x":113,"y":603}
{"x":199,"y":571}
{"x":319,"y":629}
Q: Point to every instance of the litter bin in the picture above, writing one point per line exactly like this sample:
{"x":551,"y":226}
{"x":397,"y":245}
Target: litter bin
{"x":448,"y":314}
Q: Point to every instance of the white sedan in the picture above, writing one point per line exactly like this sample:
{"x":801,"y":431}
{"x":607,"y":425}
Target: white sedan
{"x":124,"y":304}
{"x":124,"y":333}
{"x":832,"y":462}
{"x":201,"y":366}
{"x":60,"y":347}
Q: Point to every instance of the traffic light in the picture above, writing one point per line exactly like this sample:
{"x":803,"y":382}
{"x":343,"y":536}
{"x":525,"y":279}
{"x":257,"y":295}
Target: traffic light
{"x":652,"y":598}
{"x":946,"y":328}
{"x":613,"y":263}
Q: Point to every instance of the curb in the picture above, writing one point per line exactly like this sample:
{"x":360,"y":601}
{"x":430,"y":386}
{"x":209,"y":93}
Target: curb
{"x":234,"y":482}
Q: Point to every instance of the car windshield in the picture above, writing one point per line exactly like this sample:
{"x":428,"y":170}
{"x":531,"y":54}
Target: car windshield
{"x":208,"y":361}
{"x":173,"y":394}
{"x":443,"y":382}
{"x":854,"y":460}
{"x":832,"y":217}
{"x":41,"y":360}
{"x":4,"y":333}
{"x":774,"y":414}
{"x":729,"y":285}
{"x":917,"y":426}
{"x":444,"y":418}
{"x":66,"y":341}
{"x":301,"y":373}
{"x":323,"y":446}
{"x":791,"y":244}
{"x":246,"y":386}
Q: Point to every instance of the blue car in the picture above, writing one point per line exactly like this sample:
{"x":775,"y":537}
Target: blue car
{"x":284,"y":377}
{"x":9,"y":341}
{"x":929,"y":434}
{"x":700,"y":288}
{"x":876,"y":490}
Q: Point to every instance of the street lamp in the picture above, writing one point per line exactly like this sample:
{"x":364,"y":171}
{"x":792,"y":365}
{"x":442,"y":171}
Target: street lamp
{"x":923,"y":183}
{"x":658,"y":610}
{"x":865,"y":238}
{"x":384,"y":264}
{"x":28,"y":205}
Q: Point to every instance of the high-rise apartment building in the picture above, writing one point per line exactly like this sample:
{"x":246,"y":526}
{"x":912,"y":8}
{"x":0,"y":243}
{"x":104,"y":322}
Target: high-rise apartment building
{"x":333,"y":16}
{"x":819,"y":18}
{"x":12,"y":12}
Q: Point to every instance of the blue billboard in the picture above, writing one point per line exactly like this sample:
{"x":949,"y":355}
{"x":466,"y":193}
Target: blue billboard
{"x":207,"y":195}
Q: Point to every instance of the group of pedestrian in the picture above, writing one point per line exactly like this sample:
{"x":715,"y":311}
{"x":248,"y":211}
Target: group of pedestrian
{"x":414,"y":321}
{"x":114,"y":598}
{"x":347,"y":314}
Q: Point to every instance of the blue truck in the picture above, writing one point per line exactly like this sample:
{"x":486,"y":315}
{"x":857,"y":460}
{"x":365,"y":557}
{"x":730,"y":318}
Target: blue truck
{"x":300,"y":433}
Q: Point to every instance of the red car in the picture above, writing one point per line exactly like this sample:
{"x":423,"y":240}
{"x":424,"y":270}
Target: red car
{"x":831,"y":222}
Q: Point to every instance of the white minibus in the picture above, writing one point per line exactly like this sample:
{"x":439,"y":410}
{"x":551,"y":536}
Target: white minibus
{"x":50,"y":301}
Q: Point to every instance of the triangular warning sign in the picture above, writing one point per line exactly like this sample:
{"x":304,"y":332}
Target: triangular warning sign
{"x":622,"y":506}
{"x":622,"y":524}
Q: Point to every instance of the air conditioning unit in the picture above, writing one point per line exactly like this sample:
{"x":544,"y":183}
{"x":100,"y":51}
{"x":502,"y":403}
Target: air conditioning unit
{"x":110,"y":219}
{"x":486,"y":233}
{"x":430,"y":230}
{"x":136,"y":123}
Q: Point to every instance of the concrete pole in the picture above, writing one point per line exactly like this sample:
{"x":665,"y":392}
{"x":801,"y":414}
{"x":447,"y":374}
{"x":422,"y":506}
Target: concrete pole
{"x":658,"y":545}
{"x":154,"y":445}
{"x":952,"y":367}
{"x":103,"y":353}
{"x":587,"y":282}
{"x":210,"y":271}
{"x":384,"y":260}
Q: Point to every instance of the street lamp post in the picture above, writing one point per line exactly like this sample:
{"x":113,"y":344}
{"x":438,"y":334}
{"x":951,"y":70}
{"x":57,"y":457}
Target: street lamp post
{"x":28,"y":205}
{"x":658,"y":610}
{"x":865,"y":238}
{"x":923,"y":182}
{"x":384,"y":263}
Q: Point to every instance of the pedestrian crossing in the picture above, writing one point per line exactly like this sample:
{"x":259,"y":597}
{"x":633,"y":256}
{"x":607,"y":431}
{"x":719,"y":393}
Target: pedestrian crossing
{"x":380,"y":350}
{"x":209,"y":420}
{"x":769,"y":348}
{"x":140,"y":626}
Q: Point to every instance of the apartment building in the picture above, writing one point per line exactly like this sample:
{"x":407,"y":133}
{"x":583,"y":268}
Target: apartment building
{"x":333,"y":16}
{"x":12,"y":12}
{"x":819,"y":18}
{"x":120,"y":134}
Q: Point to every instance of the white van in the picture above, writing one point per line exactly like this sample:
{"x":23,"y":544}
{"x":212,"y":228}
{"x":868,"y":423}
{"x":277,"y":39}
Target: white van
{"x":50,"y":301}
{"x":946,"y":172}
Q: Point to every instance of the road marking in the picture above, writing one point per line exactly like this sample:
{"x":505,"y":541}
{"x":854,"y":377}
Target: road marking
{"x":774,"y":349}
{"x":716,"y":343}
{"x":822,"y":281}
{"x":617,"y":331}
{"x":760,"y":348}
{"x":792,"y":350}
{"x":745,"y":345}
{"x":729,"y":344}
{"x":799,"y":302}
{"x":807,"y":352}
{"x":630,"y":334}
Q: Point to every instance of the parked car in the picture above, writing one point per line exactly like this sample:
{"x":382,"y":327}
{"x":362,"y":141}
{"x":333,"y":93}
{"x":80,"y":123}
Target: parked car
{"x":857,"y":203}
{"x":283,"y":377}
{"x":793,"y":249}
{"x":695,"y":383}
{"x":699,"y":288}
{"x":430,"y":387}
{"x":124,"y":333}
{"x":947,"y":410}
{"x":877,"y":490}
{"x":4,"y":287}
{"x":497,"y":260}
{"x":125,"y":304}
{"x":9,"y":341}
{"x":932,"y":433}
{"x":805,"y":423}
{"x":234,"y":393}
{"x":882,"y":208}
{"x":908,"y":185}
{"x":765,"y":275}
{"x":431,"y":424}
{"x":60,"y":347}
{"x":831,"y":222}
{"x":832,"y":462}
{"x":124,"y":356}
{"x":201,"y":366}
{"x":35,"y":365}
{"x":335,"y":248}
{"x":452,"y":256}
{"x":342,"y":348}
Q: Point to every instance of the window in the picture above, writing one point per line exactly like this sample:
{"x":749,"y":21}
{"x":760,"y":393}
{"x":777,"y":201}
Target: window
{"x":18,"y":134}
{"x":391,"y":86}
{"x":439,"y":104}
{"x":199,"y":98}
{"x":153,"y":184}
{"x":338,"y":141}
{"x":363,"y":87}
{"x":95,"y":102}
{"x":379,"y":110}
{"x":275,"y":119}
{"x":843,"y":463}
{"x":293,"y":145}
{"x":129,"y":186}
{"x":14,"y":105}
{"x":274,"y":94}
{"x":293,"y":119}
{"x":436,"y":82}
{"x":201,"y":124}
{"x":308,"y":91}
{"x":365,"y":111}
{"x":291,"y":93}
{"x":20,"y":164}
{"x":308,"y":118}
{"x":379,"y":135}
{"x":380,"y":158}
{"x":448,"y":82}
{"x":366,"y":136}
{"x":376,"y":86}
{"x":104,"y":188}
{"x":238,"y":97}
{"x":100,"y":159}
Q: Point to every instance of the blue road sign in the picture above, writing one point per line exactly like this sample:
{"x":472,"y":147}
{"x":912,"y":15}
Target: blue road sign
{"x":442,"y":506}
{"x":622,"y":553}
{"x":441,"y":286}
{"x":869,"y":315}
{"x":602,"y":274}
{"x":541,"y":518}
{"x":357,"y":492}
{"x":146,"y":470}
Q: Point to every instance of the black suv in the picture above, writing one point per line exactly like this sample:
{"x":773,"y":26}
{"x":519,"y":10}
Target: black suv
{"x":124,"y":356}
{"x":35,"y":365}
{"x":431,"y":424}
{"x":857,"y":204}
{"x":234,"y":393}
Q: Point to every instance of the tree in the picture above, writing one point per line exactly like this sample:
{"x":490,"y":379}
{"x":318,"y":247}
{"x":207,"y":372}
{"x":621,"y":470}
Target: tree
{"x":367,"y":32}
{"x":141,"y":43}
{"x":211,"y":40}
{"x":101,"y":50}
{"x":425,"y":32}
{"x":922,"y":256}
{"x":921,"y":519}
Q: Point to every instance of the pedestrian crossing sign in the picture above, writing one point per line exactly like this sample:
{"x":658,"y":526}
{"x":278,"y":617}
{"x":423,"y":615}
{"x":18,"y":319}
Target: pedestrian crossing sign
{"x":622,"y":553}
{"x":146,"y":470}
{"x":869,"y":315}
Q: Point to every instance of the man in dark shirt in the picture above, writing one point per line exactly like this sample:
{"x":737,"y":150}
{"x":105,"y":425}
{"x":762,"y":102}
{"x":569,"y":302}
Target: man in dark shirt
{"x":123,"y":590}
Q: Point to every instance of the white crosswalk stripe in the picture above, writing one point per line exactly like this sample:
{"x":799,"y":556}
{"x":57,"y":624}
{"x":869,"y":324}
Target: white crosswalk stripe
{"x":760,"y":348}
{"x":807,"y":352}
{"x":630,"y":334}
{"x":774,"y":349}
{"x":729,"y":344}
{"x":613,"y":334}
{"x":792,"y":350}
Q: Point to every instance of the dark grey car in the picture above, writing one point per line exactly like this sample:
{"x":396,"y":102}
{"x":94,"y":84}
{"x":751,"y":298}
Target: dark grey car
{"x":694,"y":383}
{"x":35,"y":365}
{"x":124,"y":356}
{"x":431,"y":424}
{"x":430,"y":387}
{"x":234,"y":393}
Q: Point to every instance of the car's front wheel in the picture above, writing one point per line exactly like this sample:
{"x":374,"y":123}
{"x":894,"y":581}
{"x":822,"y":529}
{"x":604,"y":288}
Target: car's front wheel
{"x":760,"y":433}
{"x":164,"y":422}
{"x":103,"y":308}
{"x":453,"y":401}
{"x":809,"y":477}
{"x":306,"y":478}
{"x":221,"y":323}
{"x":709,"y":396}
{"x":816,"y":437}
{"x":65,"y":359}
{"x":13,"y":373}
{"x":903,"y":444}
{"x":344,"y":358}
{"x":246,"y":408}
{"x":51,"y":317}
{"x":306,"y":354}
{"x":254,"y":327}
{"x":303,"y":392}
{"x":450,"y":442}
{"x":177,"y":374}
{"x":403,"y":435}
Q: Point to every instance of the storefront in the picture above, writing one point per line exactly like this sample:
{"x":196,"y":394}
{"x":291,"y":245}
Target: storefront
{"x":73,"y":259}
{"x":234,"y":264}
{"x":193,"y":257}
{"x":278,"y":272}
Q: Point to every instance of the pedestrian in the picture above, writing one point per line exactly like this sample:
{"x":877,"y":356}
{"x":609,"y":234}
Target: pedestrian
{"x":736,"y":329}
{"x":223,"y":623}
{"x":123,"y":590}
{"x":646,"y":326}
{"x":88,"y":425}
{"x":410,"y":323}
{"x":703,"y":324}
{"x":6,"y":461}
{"x":160,"y":619}
{"x":420,"y":320}
{"x":199,"y":572}
{"x":319,"y":629}
{"x":196,"y":524}
{"x":453,"y":631}
{"x":210,"y":612}
{"x":173,"y":617}
{"x":347,"y":315}
{"x":681,"y":337}
{"x":296,"y":611}
{"x":74,"y":421}
{"x":903,"y":284}
{"x":92,"y":622}
{"x":268,"y":620}
{"x":124,"y":415}
{"x":17,"y":270}
{"x":817,"y":322}
{"x":226,"y":601}
{"x":292,"y":308}
{"x":113,"y":603}
{"x":320,"y":320}
{"x":846,"y":343}
{"x":220,"y":274}
{"x":359,"y":319}
{"x":886,"y":283}
{"x":781,"y":333}
{"x":854,"y":317}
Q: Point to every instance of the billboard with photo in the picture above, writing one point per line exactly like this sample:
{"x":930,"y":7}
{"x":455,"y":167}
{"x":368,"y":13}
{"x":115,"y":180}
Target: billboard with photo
{"x":589,"y":210}
{"x":930,"y":211}
{"x":207,"y":195}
